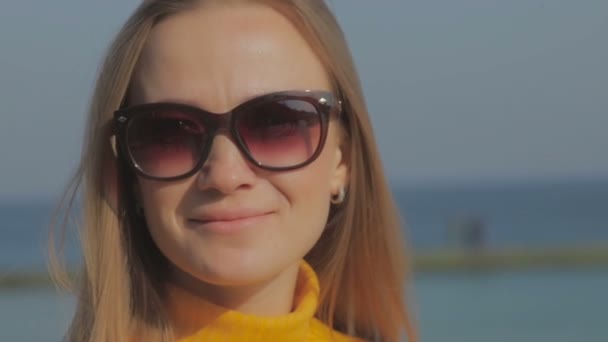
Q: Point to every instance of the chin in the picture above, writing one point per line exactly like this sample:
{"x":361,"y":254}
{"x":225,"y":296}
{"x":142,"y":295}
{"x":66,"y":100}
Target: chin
{"x":235,"y":269}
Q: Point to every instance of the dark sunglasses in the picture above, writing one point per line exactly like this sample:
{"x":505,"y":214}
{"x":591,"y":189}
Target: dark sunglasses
{"x":278,"y":132}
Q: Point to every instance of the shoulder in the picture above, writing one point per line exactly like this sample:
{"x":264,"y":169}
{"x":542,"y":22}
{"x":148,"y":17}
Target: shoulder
{"x":320,"y":332}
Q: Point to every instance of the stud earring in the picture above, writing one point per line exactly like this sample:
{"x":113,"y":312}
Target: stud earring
{"x":339,"y":197}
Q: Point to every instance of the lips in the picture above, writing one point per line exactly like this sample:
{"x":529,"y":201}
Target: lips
{"x":226,"y":222}
{"x":228,"y":216}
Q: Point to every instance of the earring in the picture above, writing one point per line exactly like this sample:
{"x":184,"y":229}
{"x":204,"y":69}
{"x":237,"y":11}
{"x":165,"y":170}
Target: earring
{"x":338,"y":198}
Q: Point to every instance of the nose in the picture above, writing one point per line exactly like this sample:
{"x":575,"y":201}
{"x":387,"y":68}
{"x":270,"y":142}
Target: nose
{"x":225,"y":169}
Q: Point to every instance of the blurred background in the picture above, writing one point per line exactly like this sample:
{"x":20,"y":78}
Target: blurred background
{"x":491,"y":117}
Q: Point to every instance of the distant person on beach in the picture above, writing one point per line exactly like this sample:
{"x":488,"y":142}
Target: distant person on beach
{"x":232,"y":188}
{"x":468,"y":232}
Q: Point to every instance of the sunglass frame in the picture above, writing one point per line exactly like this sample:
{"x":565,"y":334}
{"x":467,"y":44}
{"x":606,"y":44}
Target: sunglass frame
{"x":323,"y":101}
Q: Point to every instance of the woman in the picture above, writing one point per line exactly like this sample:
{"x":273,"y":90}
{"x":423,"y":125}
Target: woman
{"x":232,"y":185}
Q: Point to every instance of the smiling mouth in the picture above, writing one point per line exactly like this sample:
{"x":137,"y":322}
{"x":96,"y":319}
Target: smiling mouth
{"x":228,"y":226}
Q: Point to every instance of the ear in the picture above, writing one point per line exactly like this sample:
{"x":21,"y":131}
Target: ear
{"x":340,"y":171}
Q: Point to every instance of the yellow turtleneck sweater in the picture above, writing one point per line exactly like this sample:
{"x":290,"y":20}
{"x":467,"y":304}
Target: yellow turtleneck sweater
{"x":213,"y":323}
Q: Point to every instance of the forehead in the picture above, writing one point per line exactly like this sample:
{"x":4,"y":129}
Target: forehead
{"x":219,"y":56}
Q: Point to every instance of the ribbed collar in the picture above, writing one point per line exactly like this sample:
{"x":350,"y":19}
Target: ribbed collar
{"x":215,"y":323}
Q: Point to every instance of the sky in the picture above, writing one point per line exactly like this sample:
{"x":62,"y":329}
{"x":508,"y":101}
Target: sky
{"x":461,"y":91}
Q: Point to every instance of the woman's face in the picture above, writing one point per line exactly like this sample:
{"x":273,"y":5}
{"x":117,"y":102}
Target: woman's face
{"x":232,"y":223}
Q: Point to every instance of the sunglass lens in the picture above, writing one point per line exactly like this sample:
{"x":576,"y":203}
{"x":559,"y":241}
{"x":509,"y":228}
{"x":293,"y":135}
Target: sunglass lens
{"x":281,"y":133}
{"x":165,"y":143}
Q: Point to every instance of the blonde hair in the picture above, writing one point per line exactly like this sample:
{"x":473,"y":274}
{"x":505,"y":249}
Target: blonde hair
{"x":360,"y":259}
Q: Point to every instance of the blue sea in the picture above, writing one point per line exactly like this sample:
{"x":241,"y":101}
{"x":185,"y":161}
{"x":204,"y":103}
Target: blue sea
{"x":534,"y":305}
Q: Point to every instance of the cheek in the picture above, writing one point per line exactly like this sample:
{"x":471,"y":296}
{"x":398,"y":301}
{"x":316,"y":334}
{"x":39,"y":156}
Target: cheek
{"x":303,"y":217}
{"x":160,"y":203}
{"x":308,"y":191}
